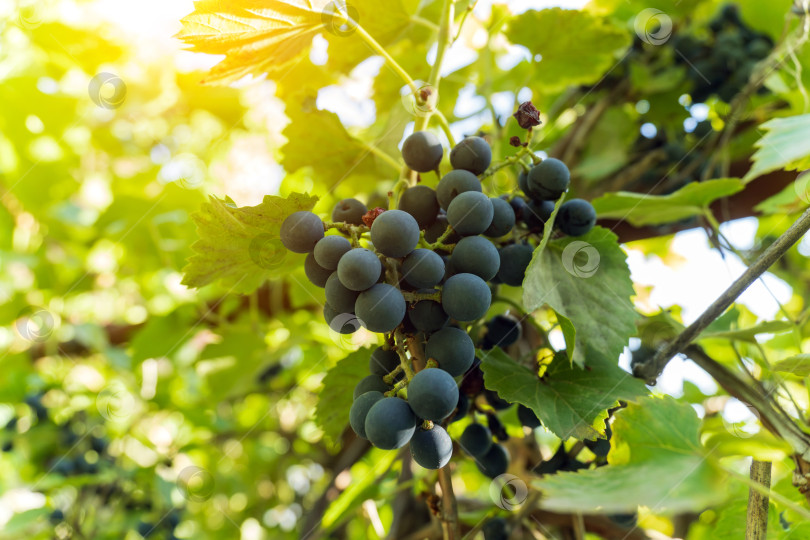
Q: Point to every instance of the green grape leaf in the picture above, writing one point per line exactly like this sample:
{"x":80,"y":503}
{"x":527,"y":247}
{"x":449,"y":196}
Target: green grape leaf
{"x":569,"y":400}
{"x":640,"y":209}
{"x":749,"y":334}
{"x":586,"y":280}
{"x":575,"y":47}
{"x":785,"y":145}
{"x":798,"y":365}
{"x":656,"y":460}
{"x":240,"y":247}
{"x":335,"y":400}
{"x":339,"y":154}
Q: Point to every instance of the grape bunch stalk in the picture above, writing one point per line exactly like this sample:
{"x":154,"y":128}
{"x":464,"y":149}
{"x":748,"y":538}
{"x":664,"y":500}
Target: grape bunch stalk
{"x":423,"y":274}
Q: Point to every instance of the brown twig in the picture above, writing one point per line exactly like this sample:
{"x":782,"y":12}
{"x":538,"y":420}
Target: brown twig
{"x":650,"y":370}
{"x":449,"y":513}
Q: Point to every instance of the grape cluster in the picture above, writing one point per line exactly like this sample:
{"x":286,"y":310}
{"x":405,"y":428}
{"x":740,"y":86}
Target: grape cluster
{"x":721,"y":64}
{"x":420,"y":274}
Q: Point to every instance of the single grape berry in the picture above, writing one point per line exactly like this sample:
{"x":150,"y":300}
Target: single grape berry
{"x":503,"y":219}
{"x":476,"y":440}
{"x":432,"y":394}
{"x":390,"y":423}
{"x":300,"y":231}
{"x":382,"y":361}
{"x":381,"y":308}
{"x":515,"y":259}
{"x":517,"y":204}
{"x":576,"y":217}
{"x":427,"y":316}
{"x":359,"y":411}
{"x":420,"y":202}
{"x":56,"y":516}
{"x":338,"y":296}
{"x":549,"y":179}
{"x":359,"y":269}
{"x":349,"y":211}
{"x":329,"y":250}
{"x":422,"y":151}
{"x":495,"y":462}
{"x":395,"y":233}
{"x":315,"y":273}
{"x":476,"y":255}
{"x":472,"y":154}
{"x":455,"y":183}
{"x":503,"y":331}
{"x":495,"y":529}
{"x":470,"y":213}
{"x":342,"y":323}
{"x":466,"y":297}
{"x":453,"y":350}
{"x":431,"y":448}
{"x":369,"y":383}
{"x":423,"y":269}
{"x":527,"y":417}
{"x":536,"y":213}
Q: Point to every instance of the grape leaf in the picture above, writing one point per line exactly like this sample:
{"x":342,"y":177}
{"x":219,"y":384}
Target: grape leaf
{"x":569,"y":400}
{"x":335,"y":400}
{"x":593,"y":294}
{"x":576,"y":47}
{"x":240,"y":247}
{"x":255,"y":36}
{"x":785,"y":145}
{"x":259,"y":37}
{"x":656,"y":460}
{"x":640,"y":209}
{"x":798,"y":365}
{"x":339,"y":154}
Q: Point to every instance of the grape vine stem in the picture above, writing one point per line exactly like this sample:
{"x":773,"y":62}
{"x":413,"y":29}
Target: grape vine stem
{"x":436,"y":70}
{"x":652,"y":369}
{"x":449,"y":513}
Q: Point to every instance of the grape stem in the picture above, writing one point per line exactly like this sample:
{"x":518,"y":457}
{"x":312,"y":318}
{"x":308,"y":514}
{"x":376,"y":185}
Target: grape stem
{"x":516,"y":158}
{"x":435,"y":71}
{"x":389,"y":379}
{"x":449,"y":513}
{"x":379,"y":49}
{"x":404,"y":362}
{"x":397,"y":387}
{"x":415,"y":296}
{"x":439,"y":243}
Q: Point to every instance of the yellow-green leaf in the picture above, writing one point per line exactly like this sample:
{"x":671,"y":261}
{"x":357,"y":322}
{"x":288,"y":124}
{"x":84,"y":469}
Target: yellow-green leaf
{"x":240,"y":246}
{"x":640,"y":209}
